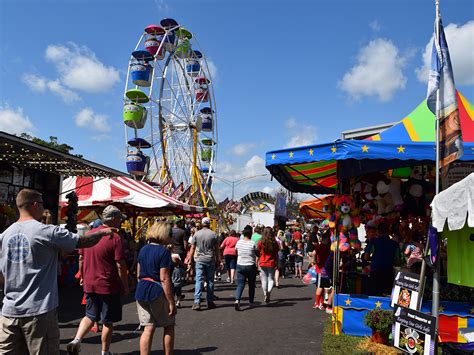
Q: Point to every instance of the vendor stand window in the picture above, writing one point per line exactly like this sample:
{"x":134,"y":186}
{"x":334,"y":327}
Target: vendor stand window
{"x":13,"y":179}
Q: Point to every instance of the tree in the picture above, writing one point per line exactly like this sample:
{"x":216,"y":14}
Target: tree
{"x":53,"y":143}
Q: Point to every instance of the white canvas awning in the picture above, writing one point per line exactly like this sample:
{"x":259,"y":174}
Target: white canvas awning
{"x":103,"y":191}
{"x":454,"y":204}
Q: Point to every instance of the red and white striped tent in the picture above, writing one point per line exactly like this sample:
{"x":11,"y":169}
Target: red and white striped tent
{"x":96,"y":191}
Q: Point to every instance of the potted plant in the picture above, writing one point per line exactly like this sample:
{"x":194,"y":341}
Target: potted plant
{"x":380,"y":322}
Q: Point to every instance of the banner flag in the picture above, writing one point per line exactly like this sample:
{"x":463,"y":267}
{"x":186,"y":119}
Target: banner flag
{"x":442,"y":79}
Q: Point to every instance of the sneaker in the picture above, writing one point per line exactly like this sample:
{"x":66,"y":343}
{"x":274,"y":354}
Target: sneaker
{"x":321,"y":307}
{"x":211,"y":305}
{"x":329,"y":310}
{"x":178,"y":304}
{"x":268,"y":298}
{"x":228,"y":280}
{"x":315,"y":306}
{"x":74,"y":347}
{"x":265,"y":299}
{"x":237,"y":305}
{"x":251,"y":304}
{"x":196,"y":307}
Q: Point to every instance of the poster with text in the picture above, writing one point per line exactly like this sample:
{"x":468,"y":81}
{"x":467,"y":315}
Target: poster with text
{"x":406,"y":290}
{"x":413,"y":331}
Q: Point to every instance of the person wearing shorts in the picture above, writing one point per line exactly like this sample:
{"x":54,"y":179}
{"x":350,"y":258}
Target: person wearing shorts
{"x":154,"y":293}
{"x":230,"y":255}
{"x":104,"y":272}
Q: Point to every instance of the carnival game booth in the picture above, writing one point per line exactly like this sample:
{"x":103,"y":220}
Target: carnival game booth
{"x":389,"y":173}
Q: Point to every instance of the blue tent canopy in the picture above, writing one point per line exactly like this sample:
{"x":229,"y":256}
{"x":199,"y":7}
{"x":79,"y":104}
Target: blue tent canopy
{"x":317,"y":168}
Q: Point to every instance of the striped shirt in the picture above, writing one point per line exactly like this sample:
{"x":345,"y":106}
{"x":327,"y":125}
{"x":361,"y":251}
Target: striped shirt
{"x":246,"y":252}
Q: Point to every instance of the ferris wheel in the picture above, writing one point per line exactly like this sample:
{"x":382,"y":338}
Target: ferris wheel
{"x":169,"y":113}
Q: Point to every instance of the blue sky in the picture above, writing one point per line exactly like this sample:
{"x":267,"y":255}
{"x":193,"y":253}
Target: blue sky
{"x":286,"y":72}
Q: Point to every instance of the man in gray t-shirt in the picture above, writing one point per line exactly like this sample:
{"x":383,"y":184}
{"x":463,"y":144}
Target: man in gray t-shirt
{"x":29,"y":252}
{"x":206,"y":254}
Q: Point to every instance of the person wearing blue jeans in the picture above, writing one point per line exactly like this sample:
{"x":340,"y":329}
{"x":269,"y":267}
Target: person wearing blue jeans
{"x":204,"y":271}
{"x":247,"y":253}
{"x":206,"y":254}
{"x":246,"y":273}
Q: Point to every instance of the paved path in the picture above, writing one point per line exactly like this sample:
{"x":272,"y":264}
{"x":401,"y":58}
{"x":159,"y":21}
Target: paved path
{"x":288,"y":325}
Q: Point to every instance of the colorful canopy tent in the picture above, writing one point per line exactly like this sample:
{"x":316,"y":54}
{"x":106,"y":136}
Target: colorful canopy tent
{"x":313,"y":209}
{"x":318,"y":168}
{"x":419,"y":125}
{"x":139,"y":195}
{"x":453,"y":217}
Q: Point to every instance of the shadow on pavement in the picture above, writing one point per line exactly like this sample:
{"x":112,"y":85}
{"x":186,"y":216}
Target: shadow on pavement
{"x":207,"y":349}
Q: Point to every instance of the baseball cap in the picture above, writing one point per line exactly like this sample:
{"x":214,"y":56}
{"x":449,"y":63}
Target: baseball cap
{"x":206,"y":221}
{"x":111,"y":211}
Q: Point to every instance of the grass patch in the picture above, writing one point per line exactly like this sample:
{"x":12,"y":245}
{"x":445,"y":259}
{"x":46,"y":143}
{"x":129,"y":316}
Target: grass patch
{"x":346,"y":344}
{"x":339,"y":344}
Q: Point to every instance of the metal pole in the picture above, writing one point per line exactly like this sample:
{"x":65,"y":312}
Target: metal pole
{"x":435,"y":302}
{"x":233,"y":185}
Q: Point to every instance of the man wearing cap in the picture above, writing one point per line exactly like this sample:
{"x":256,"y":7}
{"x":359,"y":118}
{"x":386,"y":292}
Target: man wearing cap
{"x":104,"y":273}
{"x":29,"y":263}
{"x":205,"y":250}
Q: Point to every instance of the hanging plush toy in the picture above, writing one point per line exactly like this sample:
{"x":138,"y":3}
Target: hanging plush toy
{"x":347,"y":216}
{"x":347,"y":220}
{"x":384,"y":198}
{"x":415,"y":194}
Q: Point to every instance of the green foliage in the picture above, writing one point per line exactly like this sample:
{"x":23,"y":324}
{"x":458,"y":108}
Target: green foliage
{"x":53,"y":143}
{"x":379,"y":320}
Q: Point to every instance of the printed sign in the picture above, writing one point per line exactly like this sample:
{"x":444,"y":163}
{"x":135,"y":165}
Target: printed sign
{"x":406,"y":290}
{"x":457,"y":172}
{"x":280,"y":205}
{"x":413,"y":331}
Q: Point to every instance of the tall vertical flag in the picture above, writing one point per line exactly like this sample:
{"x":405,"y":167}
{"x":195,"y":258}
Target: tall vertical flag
{"x":446,"y":109}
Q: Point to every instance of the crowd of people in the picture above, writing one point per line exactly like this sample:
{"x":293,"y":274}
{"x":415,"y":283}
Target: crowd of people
{"x":112,"y":265}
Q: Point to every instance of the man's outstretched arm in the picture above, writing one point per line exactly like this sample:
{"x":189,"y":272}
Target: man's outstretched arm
{"x":91,"y":239}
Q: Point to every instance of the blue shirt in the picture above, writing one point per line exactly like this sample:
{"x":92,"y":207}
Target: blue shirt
{"x":152,"y":258}
{"x":385,"y":252}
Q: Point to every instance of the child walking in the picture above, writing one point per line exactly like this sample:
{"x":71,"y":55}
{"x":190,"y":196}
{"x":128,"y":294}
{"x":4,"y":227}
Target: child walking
{"x":299,"y":255}
{"x":177,"y":278}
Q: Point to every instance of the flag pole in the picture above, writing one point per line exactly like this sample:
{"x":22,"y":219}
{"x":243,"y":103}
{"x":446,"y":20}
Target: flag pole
{"x":436,"y":270}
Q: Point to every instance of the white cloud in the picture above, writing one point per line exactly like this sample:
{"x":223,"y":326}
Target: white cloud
{"x":249,"y":177}
{"x":103,"y":137}
{"x":269,"y":190}
{"x":79,"y":68}
{"x":375,"y":26}
{"x":213,"y":71}
{"x":378,"y":72}
{"x":67,"y":95}
{"x":242,"y":149}
{"x":41,"y":84}
{"x":162,"y":7}
{"x":35,"y":82}
{"x":290,"y":122}
{"x":14,"y":121}
{"x":299,"y":134}
{"x":460,"y":40}
{"x":87,"y":118}
{"x":254,"y":166}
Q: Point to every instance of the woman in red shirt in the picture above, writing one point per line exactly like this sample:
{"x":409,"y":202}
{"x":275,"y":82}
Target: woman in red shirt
{"x":230,"y":254}
{"x":268,"y":250}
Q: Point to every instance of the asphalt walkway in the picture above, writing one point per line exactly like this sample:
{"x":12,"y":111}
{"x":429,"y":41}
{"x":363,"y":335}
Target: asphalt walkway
{"x":288,"y":325}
